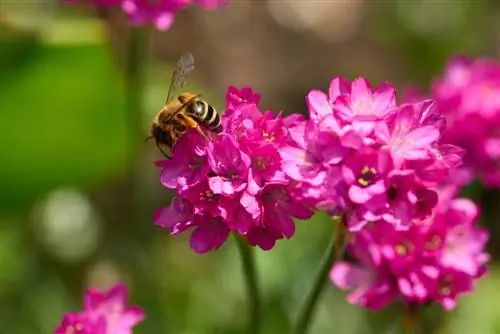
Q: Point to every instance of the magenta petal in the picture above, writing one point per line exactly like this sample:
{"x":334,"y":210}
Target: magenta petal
{"x":164,"y":21}
{"x":384,"y":98}
{"x":132,"y":316}
{"x":338,"y":86}
{"x":250,"y":204}
{"x":319,"y":106}
{"x":208,"y":236}
{"x":169,"y":175}
{"x":360,"y":89}
{"x":359,"y":195}
{"x":422,"y":137}
{"x":347,"y":277}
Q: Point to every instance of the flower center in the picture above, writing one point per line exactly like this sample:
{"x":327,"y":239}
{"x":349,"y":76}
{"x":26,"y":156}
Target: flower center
{"x":363,"y":106}
{"x":269,"y":137}
{"x":392,"y":192}
{"x":261,"y":163}
{"x":445,"y":286}
{"x":77,"y":328}
{"x":367,"y":176}
{"x":404,"y":248}
{"x":434,"y":242}
{"x":207,"y":195}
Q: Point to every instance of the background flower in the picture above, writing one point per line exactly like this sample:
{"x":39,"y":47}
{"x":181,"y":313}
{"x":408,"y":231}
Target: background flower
{"x":103,"y":313}
{"x":435,"y":261}
{"x":468,"y":94}
{"x":161,"y":13}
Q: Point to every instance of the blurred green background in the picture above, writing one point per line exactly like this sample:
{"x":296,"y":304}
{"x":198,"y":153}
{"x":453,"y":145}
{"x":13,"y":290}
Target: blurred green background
{"x":78,"y":188}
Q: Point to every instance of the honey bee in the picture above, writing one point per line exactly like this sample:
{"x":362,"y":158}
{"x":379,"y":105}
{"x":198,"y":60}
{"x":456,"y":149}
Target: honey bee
{"x":185,"y":111}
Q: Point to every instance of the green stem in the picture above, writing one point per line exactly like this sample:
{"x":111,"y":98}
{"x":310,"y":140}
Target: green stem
{"x":333,"y":252}
{"x":409,"y":323}
{"x":250,"y":273}
{"x":134,"y":80}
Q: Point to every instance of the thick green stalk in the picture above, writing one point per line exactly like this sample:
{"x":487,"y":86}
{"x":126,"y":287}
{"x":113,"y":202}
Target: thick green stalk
{"x":333,"y":252}
{"x":251,"y":280}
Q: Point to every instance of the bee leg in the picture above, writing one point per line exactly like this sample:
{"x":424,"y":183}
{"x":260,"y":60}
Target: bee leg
{"x":192,"y":124}
{"x":163,"y":152}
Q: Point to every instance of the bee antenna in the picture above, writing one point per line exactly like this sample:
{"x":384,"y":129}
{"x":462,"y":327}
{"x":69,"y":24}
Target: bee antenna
{"x":148,"y":138}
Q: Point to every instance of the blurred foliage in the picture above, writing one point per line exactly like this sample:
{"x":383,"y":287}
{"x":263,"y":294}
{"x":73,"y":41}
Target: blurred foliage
{"x":78,"y":188}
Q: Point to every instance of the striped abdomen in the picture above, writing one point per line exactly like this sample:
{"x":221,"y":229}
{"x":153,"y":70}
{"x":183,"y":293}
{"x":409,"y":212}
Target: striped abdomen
{"x":205,"y":114}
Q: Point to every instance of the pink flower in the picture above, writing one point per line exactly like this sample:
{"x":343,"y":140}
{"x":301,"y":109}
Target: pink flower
{"x":78,"y":324}
{"x":276,"y":209}
{"x":435,"y":260}
{"x":184,"y":170}
{"x":236,"y":183}
{"x":360,"y":105}
{"x":229,"y":163}
{"x":160,"y":12}
{"x":104,"y":313}
{"x":388,"y":155}
{"x":468,"y":95}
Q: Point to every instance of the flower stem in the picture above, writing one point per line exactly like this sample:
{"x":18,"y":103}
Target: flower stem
{"x":334,"y":252}
{"x":134,"y":80}
{"x":250,"y":273}
{"x":409,"y":323}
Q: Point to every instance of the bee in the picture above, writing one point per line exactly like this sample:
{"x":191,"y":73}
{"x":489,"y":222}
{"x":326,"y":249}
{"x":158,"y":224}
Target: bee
{"x":185,"y":111}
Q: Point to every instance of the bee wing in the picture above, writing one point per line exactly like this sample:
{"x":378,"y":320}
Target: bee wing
{"x":184,"y":67}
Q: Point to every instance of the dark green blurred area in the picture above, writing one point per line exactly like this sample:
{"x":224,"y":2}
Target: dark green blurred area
{"x":78,"y":188}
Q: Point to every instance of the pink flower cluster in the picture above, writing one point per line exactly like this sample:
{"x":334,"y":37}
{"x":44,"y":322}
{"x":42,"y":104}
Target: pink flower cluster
{"x":362,"y":155}
{"x":468,"y":94}
{"x":436,"y":260}
{"x":104,"y":313}
{"x":160,"y":12}
{"x":235,"y":182}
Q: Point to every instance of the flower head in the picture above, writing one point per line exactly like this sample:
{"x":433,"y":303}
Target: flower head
{"x":103,"y":313}
{"x":468,"y":95}
{"x":388,"y":155}
{"x":160,"y":12}
{"x":239,"y":187}
{"x":435,"y":260}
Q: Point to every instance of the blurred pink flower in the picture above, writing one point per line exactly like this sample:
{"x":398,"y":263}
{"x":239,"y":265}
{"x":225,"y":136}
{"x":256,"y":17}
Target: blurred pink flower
{"x":104,"y":313}
{"x":233,"y":183}
{"x":389,"y":156}
{"x":468,"y":95}
{"x":436,"y":260}
{"x":160,"y":12}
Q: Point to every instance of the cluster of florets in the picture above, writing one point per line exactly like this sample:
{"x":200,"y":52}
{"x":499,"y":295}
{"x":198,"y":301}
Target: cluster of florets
{"x":160,"y":12}
{"x":362,"y":155}
{"x":468,"y":95}
{"x":234,"y":182}
{"x":436,"y":260}
{"x":103,"y":313}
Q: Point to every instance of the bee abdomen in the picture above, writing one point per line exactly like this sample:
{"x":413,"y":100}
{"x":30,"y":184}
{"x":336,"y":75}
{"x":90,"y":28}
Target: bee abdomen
{"x":207,"y":115}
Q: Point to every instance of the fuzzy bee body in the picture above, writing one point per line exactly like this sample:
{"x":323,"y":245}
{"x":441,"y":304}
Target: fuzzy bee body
{"x":184,"y":112}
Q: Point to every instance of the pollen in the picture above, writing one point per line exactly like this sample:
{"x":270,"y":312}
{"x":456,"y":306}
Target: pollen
{"x":404,"y":248}
{"x":206,"y":195}
{"x":434,"y":243}
{"x":367,"y":176}
{"x":445,"y":290}
{"x":269,"y":137}
{"x":261,"y":163}
{"x":401,"y":250}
